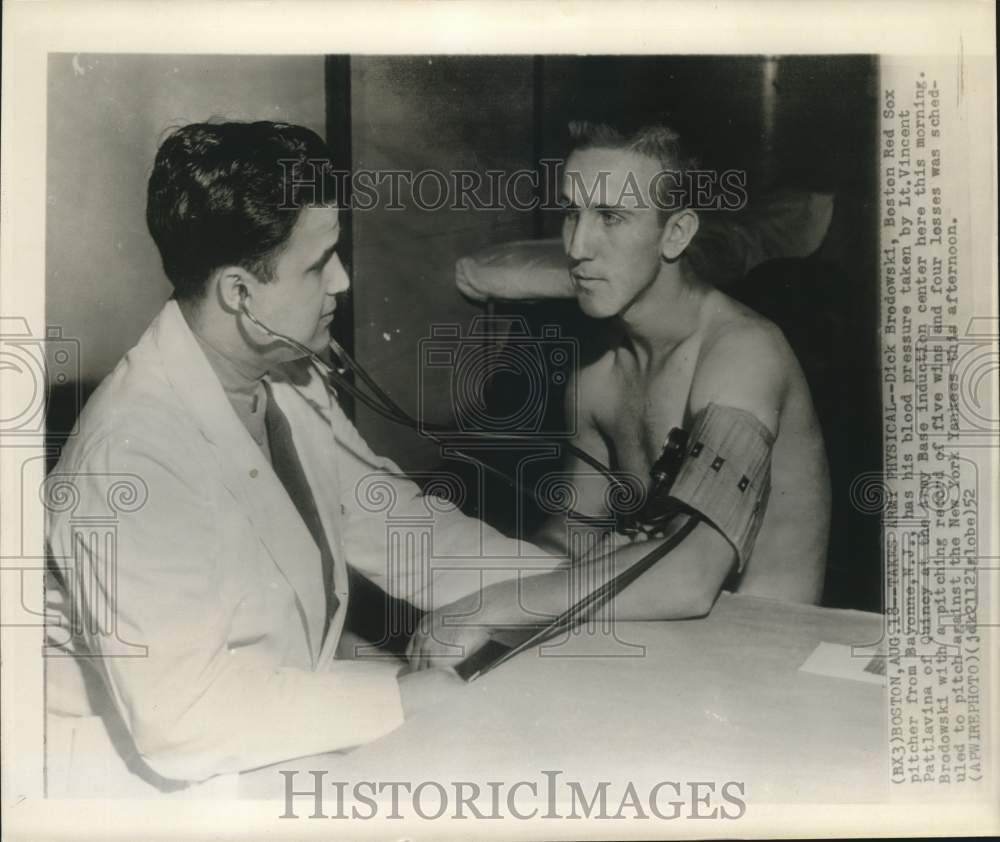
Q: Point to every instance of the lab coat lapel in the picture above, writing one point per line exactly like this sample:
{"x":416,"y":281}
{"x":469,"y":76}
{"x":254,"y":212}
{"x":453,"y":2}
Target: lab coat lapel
{"x":292,"y":548}
{"x":245,"y":471}
{"x":306,"y":404}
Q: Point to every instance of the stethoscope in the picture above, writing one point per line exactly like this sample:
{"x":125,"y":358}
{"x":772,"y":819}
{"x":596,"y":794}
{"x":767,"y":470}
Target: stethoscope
{"x":337,"y":378}
{"x":664,"y":469}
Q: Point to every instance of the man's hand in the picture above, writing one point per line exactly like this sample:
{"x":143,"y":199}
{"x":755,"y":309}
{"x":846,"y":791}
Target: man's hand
{"x":437,"y":644}
{"x":424,"y":689}
{"x":454,"y":632}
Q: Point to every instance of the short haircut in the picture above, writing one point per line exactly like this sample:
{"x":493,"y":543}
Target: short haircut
{"x":659,"y":142}
{"x":229,"y":194}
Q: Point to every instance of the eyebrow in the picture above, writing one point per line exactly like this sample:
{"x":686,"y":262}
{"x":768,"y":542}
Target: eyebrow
{"x":323,"y":258}
{"x":601,"y":207}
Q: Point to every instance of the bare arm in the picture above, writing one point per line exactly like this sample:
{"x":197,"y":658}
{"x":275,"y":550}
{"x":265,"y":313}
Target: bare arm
{"x":742,"y":369}
{"x":528,"y":269}
{"x":745,"y":367}
{"x":583,"y":487}
{"x":684,"y":584}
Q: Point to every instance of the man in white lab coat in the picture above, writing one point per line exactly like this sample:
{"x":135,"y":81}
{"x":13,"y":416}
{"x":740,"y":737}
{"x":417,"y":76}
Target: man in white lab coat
{"x":198,"y":640}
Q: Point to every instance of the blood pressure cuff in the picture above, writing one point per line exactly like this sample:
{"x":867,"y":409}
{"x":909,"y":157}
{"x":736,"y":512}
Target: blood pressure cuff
{"x":726,"y":474}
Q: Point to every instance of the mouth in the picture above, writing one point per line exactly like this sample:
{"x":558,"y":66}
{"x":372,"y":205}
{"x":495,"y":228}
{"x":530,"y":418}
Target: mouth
{"x":585,"y":280}
{"x":328,"y":315}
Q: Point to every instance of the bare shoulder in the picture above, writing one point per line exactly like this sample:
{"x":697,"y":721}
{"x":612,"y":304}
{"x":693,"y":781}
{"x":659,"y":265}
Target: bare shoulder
{"x":739,"y":336}
{"x":744,"y":362}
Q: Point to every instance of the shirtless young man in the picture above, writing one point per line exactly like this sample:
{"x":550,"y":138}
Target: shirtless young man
{"x":685,"y":355}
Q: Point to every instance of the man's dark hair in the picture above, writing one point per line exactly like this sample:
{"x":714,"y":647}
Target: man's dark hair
{"x":229,"y":194}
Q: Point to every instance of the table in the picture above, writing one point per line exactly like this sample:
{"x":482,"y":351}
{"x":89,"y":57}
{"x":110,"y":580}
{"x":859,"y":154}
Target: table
{"x":714,"y":699}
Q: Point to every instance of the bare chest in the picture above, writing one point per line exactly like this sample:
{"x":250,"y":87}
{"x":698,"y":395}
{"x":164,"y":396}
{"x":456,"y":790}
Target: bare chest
{"x":641,"y":410}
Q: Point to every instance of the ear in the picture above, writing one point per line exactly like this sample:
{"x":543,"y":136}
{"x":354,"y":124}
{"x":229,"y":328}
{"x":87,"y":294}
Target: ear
{"x":677,"y":233}
{"x":233,"y":285}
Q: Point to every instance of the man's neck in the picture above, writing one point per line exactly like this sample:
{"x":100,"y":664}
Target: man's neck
{"x":237,"y":372}
{"x":240,"y":379}
{"x":665,"y":314}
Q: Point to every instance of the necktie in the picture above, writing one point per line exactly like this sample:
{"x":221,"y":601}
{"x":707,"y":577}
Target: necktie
{"x":287,"y":466}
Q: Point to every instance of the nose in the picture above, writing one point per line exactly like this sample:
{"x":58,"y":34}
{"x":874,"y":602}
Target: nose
{"x":337,"y":280}
{"x":576,"y":238}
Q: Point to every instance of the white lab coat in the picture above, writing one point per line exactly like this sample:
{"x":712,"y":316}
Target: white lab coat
{"x":213,"y":571}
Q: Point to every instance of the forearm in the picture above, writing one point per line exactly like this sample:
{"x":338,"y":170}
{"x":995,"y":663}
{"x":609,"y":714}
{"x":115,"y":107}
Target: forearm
{"x":559,"y":537}
{"x":527,"y":286}
{"x":683,"y":584}
{"x":552,"y":536}
{"x":492,"y":274}
{"x":468,"y":554}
